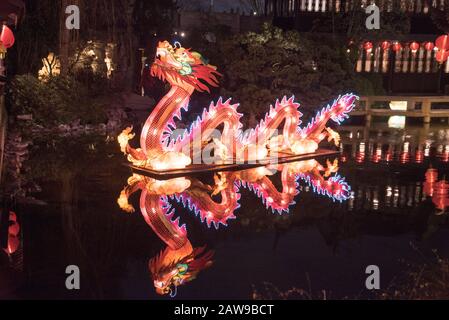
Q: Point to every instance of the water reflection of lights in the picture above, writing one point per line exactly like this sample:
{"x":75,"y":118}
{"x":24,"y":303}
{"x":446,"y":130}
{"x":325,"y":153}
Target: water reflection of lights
{"x":13,"y":242}
{"x":377,"y":156}
{"x":427,"y":148}
{"x":405,"y":155}
{"x":444,"y":155}
{"x":396,"y":122}
{"x":360,"y":155}
{"x":158,"y":200}
{"x":376,"y":200}
{"x":437,"y":190}
{"x":419,"y":156}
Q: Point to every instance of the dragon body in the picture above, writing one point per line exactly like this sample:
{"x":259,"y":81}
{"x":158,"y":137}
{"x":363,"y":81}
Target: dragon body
{"x":186,"y":71}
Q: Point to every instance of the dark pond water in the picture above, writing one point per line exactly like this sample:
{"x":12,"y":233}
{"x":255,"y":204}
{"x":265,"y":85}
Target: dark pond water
{"x":387,"y":220}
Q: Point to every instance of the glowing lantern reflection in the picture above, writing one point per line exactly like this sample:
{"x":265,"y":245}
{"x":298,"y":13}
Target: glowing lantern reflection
{"x":441,"y":195}
{"x":419,"y":156}
{"x":13,"y":234}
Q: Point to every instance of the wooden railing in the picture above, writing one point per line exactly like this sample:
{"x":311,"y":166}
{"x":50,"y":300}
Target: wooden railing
{"x":425,"y":107}
{"x":293,"y":7}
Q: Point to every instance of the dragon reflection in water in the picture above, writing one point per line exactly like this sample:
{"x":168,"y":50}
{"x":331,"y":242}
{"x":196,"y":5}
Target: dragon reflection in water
{"x":216,"y":204}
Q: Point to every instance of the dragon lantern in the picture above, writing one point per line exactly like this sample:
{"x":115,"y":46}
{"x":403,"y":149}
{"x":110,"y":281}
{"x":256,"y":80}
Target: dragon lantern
{"x":180,"y":263}
{"x":186,"y":71}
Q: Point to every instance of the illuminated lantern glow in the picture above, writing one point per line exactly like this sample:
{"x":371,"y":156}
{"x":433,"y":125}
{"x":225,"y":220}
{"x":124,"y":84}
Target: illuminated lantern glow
{"x":441,"y":56}
{"x":442,"y":47}
{"x":7,"y":37}
{"x":156,"y":208}
{"x":13,"y":243}
{"x":429,"y":46}
{"x":442,"y":42}
{"x":385,"y":45}
{"x":368,"y":46}
{"x":414,"y":46}
{"x":187,"y":71}
{"x":396,"y":46}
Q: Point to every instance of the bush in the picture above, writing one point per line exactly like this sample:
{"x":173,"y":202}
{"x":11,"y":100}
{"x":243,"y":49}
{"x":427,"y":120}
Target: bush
{"x":59,"y":100}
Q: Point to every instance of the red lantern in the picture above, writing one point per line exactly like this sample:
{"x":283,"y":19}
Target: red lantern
{"x":414,"y":46}
{"x":385,"y":45}
{"x":7,"y":37}
{"x":397,"y":46}
{"x":429,"y":46}
{"x":442,"y":42}
{"x":13,"y":244}
{"x":441,"y":56}
{"x":368,"y":46}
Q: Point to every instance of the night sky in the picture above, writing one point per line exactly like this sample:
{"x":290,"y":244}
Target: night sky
{"x":218,"y":5}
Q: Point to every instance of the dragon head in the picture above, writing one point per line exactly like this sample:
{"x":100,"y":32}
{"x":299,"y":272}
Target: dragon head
{"x":183,"y":67}
{"x":173,"y":268}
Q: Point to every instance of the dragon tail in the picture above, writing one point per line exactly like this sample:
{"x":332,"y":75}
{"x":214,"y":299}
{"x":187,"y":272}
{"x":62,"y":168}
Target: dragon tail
{"x":336,"y":112}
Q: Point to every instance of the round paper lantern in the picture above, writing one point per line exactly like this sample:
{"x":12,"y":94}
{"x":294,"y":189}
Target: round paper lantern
{"x":429,"y":46}
{"x":414,"y":46}
{"x":397,"y":46}
{"x":368,"y":46}
{"x":13,"y":244}
{"x":441,"y":56}
{"x":7,"y":37}
{"x":385,"y":45}
{"x":442,"y":42}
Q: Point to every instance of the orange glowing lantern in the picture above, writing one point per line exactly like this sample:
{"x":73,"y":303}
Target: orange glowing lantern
{"x":368,"y":46}
{"x":385,"y":45}
{"x":13,"y":234}
{"x":429,"y":46}
{"x":442,"y":42}
{"x":441,"y":56}
{"x":414,"y":46}
{"x":396,"y":46}
{"x":7,"y":37}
